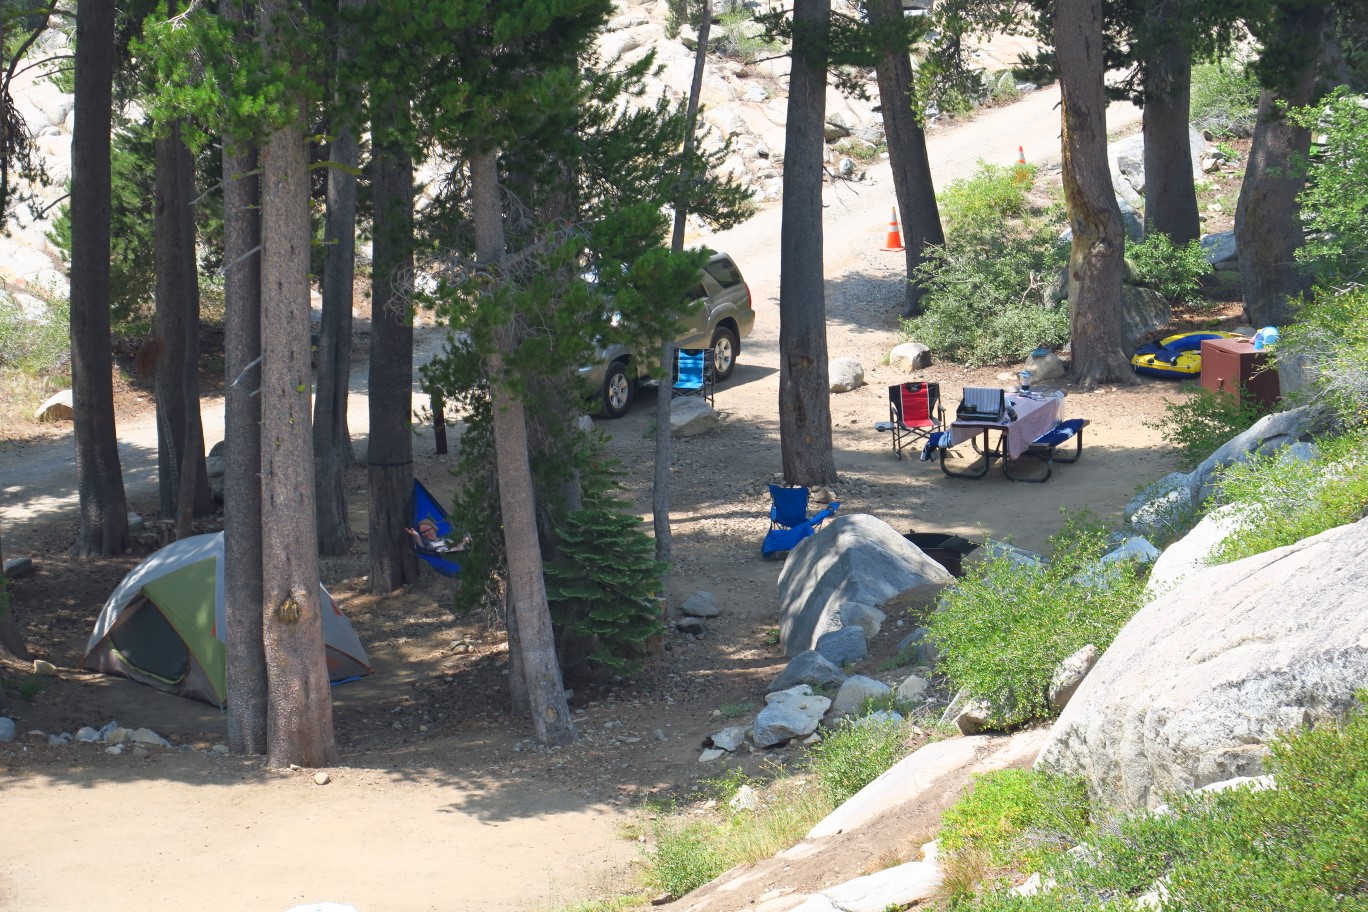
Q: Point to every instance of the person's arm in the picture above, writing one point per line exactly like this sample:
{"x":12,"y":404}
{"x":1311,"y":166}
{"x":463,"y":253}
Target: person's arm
{"x":419,"y":542}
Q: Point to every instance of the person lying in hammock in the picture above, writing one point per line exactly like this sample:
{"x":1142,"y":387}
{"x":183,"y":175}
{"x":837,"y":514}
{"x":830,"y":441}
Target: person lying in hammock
{"x":425,"y":538}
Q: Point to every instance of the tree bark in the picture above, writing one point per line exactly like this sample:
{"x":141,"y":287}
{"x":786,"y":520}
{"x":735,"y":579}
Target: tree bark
{"x":242,"y":558}
{"x":804,"y":388}
{"x":299,"y":715}
{"x":660,"y":490}
{"x":1096,"y":257}
{"x":99,"y":477}
{"x":551,"y":720}
{"x":332,"y":445}
{"x":1170,"y":194}
{"x":11,"y":641}
{"x":390,"y":444}
{"x":911,"y":165}
{"x":1268,"y":225}
{"x":179,"y":434}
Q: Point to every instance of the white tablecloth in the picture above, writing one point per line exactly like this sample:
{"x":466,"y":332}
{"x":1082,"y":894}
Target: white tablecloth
{"x":1034,"y":417}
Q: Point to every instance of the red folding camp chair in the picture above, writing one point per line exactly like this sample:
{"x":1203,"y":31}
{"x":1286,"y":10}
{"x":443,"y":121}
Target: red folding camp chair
{"x":915,"y":413}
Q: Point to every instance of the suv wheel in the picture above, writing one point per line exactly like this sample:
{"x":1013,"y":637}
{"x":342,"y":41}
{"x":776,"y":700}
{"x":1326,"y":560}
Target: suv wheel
{"x":617,"y":390}
{"x":725,"y":349}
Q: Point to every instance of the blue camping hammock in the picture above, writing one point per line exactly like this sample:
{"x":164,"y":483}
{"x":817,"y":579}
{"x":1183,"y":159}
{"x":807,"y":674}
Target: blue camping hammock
{"x":425,"y":507}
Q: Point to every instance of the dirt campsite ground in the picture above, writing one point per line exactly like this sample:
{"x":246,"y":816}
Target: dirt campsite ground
{"x":440,"y":800}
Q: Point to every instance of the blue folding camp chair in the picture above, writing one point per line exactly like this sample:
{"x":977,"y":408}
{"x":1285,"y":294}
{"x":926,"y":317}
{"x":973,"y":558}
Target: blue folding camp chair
{"x":425,"y":507}
{"x":789,"y":520}
{"x":694,"y":373}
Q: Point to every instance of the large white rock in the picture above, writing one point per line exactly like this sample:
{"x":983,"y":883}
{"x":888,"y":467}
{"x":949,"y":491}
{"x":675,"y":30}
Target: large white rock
{"x":1193,"y":551}
{"x":690,"y":416}
{"x":1044,"y":366}
{"x":845,"y":374}
{"x":920,"y":776}
{"x":1143,"y":310}
{"x":855,"y":693}
{"x":1201,"y":680}
{"x":1163,"y":505}
{"x":788,"y":714}
{"x":909,"y":356}
{"x":1269,"y":434}
{"x":892,"y":888}
{"x":844,"y":573}
{"x":58,"y":407}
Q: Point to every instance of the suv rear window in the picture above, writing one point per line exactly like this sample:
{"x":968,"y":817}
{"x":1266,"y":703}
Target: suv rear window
{"x":725,"y":272}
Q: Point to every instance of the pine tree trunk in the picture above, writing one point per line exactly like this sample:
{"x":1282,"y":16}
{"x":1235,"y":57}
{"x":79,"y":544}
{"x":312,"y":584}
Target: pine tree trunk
{"x":1170,"y":194}
{"x":1268,"y":224}
{"x":551,"y":721}
{"x":11,"y":641}
{"x":299,"y":719}
{"x":1096,"y":258}
{"x":390,"y":445}
{"x":99,"y":477}
{"x":180,"y":438}
{"x":333,"y":453}
{"x":242,"y":558}
{"x":804,"y":387}
{"x":911,"y":165}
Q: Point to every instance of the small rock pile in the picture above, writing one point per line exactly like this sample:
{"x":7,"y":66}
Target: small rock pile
{"x":116,"y":738}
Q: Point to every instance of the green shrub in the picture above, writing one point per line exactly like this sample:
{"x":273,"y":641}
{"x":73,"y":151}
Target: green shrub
{"x":1330,"y":340}
{"x":1200,"y":424}
{"x":687,"y":852}
{"x":606,"y":583}
{"x":1335,"y":201}
{"x":1224,"y":98}
{"x":36,"y":347}
{"x":736,"y":34}
{"x":31,"y":686}
{"x":1299,"y":847}
{"x":1173,"y":271}
{"x":1296,"y":499}
{"x":994,"y":194}
{"x":725,"y":786}
{"x":1016,"y":818}
{"x":854,"y":754}
{"x":989,"y":292}
{"x":1003,"y":628}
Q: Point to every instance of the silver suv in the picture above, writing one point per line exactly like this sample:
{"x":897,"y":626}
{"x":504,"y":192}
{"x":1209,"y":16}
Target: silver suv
{"x":721,"y":324}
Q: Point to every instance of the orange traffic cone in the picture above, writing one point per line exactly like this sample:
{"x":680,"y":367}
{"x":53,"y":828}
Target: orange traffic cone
{"x":1021,"y":175}
{"x":1021,"y":155}
{"x":893,"y":241}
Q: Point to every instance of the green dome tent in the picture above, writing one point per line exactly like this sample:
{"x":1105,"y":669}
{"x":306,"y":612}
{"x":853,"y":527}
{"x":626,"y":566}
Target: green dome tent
{"x":164,"y":625}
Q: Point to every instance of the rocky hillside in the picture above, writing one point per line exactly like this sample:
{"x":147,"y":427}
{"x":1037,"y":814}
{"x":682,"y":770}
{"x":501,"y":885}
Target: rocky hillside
{"x":31,"y":269}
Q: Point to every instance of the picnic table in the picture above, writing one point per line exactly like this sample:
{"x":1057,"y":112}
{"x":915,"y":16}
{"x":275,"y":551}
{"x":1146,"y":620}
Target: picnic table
{"x":1007,"y":437}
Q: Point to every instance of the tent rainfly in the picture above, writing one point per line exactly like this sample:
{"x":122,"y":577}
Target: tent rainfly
{"x":164,"y":625}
